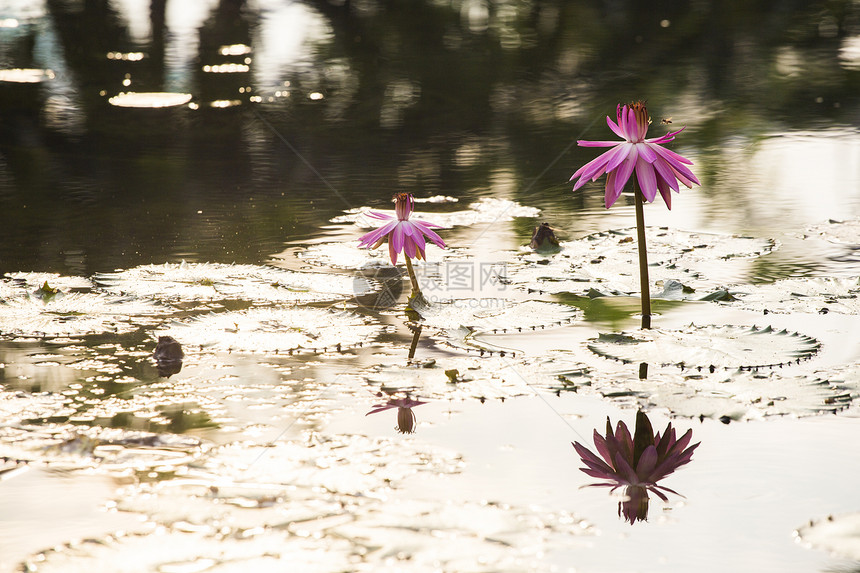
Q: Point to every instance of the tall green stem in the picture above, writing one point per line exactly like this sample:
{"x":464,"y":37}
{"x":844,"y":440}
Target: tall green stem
{"x":416,"y":290}
{"x":643,"y":258}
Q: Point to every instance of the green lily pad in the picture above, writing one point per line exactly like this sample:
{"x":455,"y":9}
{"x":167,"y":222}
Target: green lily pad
{"x":711,"y":347}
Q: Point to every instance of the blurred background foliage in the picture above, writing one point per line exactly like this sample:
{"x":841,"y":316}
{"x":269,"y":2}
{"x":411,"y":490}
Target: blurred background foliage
{"x":340,"y":104}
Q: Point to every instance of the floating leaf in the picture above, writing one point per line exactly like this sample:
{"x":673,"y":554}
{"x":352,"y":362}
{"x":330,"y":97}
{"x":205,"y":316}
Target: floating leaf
{"x":31,"y":281}
{"x":806,"y":295}
{"x":455,"y":378}
{"x":448,"y":535}
{"x":274,"y":330}
{"x":698,"y":392}
{"x":485,"y":210}
{"x":608,"y":261}
{"x":74,"y":314}
{"x":839,"y":534}
{"x":179,"y":550}
{"x":727,"y":347}
{"x":215,"y":281}
{"x":840,"y":232}
{"x":494,"y":315}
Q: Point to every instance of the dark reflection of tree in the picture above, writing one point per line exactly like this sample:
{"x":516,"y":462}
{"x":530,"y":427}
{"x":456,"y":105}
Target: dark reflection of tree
{"x":127,"y":189}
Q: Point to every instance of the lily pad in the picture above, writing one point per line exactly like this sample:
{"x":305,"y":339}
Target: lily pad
{"x":30,"y":281}
{"x":456,"y":378}
{"x":698,"y":392}
{"x":74,"y":314}
{"x":609,"y":261}
{"x":350,"y":256}
{"x":214,"y":281}
{"x":802,"y":295}
{"x":485,"y":210}
{"x":177,"y":550}
{"x":274,"y":330}
{"x":840,"y":232}
{"x":726,"y":347}
{"x":495,"y":315}
{"x":838,"y":534}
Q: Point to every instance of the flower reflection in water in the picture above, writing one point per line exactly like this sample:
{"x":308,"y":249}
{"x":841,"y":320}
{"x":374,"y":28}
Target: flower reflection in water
{"x":636,"y":462}
{"x":405,"y":416}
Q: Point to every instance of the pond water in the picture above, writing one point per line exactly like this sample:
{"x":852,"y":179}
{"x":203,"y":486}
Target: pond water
{"x":203,"y":170}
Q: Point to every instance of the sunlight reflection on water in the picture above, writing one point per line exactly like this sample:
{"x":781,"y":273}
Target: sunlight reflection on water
{"x":325,"y":109}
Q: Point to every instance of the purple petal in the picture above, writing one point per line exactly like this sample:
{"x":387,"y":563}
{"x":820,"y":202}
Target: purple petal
{"x":664,"y":171}
{"x":616,"y":156}
{"x":611,"y":195}
{"x":665,"y":138}
{"x":602,"y":447}
{"x":585,"y":143}
{"x":378,"y":215}
{"x":646,"y":153}
{"x":424,"y":228}
{"x":671,"y":156}
{"x":409,"y":246}
{"x":632,"y":126}
{"x":392,"y":252}
{"x":647,"y":462}
{"x":591,"y":459}
{"x":373,"y":236}
{"x":624,"y":440}
{"x":614,"y":127}
{"x":665,"y":192}
{"x":592,"y":169}
{"x":381,"y":408}
{"x":417,"y":235}
{"x":624,"y":469}
{"x":647,"y":179}
{"x":626,"y":169}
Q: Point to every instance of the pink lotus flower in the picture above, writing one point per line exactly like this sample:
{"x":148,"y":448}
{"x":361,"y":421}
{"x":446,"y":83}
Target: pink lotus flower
{"x":637,"y":462}
{"x":657,"y":168}
{"x":404,"y":236}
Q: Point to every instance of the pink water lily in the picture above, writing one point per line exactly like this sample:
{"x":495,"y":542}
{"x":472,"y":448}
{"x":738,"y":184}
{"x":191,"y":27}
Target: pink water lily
{"x":657,"y":168}
{"x":637,"y":462}
{"x":404,"y":235}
